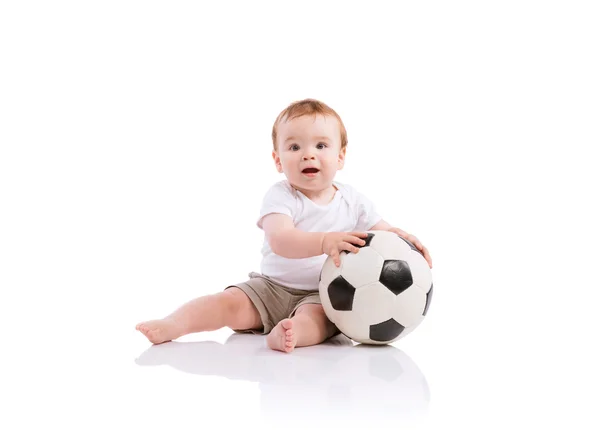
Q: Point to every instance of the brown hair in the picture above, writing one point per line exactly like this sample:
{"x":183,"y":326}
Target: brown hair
{"x":308,"y":107}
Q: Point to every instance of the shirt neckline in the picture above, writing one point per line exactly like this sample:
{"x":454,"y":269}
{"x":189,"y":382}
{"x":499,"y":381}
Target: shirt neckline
{"x":336,"y":196}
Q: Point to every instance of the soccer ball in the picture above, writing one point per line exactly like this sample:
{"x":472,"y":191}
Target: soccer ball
{"x":381,"y":293}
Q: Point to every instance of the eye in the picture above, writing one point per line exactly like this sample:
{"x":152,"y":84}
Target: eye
{"x":294,"y":147}
{"x":321,"y":145}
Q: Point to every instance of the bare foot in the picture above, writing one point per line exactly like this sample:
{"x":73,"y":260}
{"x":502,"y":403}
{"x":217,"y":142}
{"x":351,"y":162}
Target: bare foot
{"x":283,"y":337}
{"x":159,"y":331}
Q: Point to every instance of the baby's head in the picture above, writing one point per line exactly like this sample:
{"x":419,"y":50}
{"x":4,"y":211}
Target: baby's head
{"x":309,"y":144}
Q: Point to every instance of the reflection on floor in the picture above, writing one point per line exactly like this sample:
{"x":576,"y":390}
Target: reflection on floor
{"x":337,"y":380}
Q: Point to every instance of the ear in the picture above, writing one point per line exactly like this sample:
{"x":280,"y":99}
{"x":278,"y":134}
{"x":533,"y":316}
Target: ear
{"x":277,"y":161}
{"x":341,"y":159}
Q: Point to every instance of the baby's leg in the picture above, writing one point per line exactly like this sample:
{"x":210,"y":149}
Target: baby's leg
{"x":231,"y":308}
{"x":308,"y":326}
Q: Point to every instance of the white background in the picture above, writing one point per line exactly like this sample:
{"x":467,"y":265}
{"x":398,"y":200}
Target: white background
{"x":135,"y":150}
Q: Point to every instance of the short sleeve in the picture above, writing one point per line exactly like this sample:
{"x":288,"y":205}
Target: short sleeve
{"x":366,"y":212}
{"x":278,"y":199}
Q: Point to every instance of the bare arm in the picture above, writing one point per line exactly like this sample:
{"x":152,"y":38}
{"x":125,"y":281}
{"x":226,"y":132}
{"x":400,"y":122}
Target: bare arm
{"x":289,"y":242}
{"x":381,"y":225}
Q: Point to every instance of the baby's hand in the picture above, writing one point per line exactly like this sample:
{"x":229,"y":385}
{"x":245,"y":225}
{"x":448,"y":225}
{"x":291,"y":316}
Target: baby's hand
{"x":334,"y":242}
{"x":416,"y":242}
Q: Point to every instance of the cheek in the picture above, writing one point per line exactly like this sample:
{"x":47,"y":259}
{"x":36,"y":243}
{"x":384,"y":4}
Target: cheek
{"x":330,"y":162}
{"x":287,"y":162}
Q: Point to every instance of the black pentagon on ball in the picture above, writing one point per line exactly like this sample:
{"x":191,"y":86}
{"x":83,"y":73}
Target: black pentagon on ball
{"x":396,"y":275}
{"x":341,"y":294}
{"x":367,"y":240}
{"x":428,"y":301}
{"x":385,"y":331}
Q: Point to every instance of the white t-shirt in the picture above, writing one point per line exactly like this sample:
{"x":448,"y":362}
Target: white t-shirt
{"x":348,"y":211}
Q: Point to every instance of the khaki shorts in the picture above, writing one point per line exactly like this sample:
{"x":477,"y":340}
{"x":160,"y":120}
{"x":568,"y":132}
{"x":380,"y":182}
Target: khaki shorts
{"x":273,"y":300}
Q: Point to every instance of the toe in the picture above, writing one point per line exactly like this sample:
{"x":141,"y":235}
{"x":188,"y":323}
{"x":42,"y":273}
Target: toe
{"x":287,"y":324}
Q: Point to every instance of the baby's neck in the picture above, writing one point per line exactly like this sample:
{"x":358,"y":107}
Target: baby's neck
{"x":320,"y":197}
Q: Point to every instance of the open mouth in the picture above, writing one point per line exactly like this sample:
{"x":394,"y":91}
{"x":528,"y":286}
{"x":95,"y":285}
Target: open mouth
{"x":310,"y":170}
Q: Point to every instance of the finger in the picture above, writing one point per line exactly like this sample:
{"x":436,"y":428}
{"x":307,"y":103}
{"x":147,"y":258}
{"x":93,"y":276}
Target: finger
{"x":427,"y":257}
{"x":336,"y":258}
{"x":356,"y":240}
{"x":418,"y":244}
{"x":415,"y":241}
{"x":400,"y":233}
{"x":425,"y":253}
{"x":348,"y":247}
{"x":403,"y":235}
{"x":423,"y":250}
{"x":360,"y":233}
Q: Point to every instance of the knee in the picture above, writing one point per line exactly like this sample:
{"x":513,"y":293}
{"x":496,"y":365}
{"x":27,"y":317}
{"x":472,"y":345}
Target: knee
{"x":230,"y":301}
{"x":316,"y":312}
{"x":313,"y":310}
{"x":240,"y":313}
{"x":229,"y":298}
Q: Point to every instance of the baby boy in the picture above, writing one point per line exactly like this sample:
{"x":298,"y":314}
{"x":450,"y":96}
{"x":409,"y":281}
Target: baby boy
{"x":306,"y":218}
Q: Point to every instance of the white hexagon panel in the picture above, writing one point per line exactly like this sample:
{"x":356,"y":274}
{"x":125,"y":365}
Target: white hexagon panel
{"x":373,"y":303}
{"x":363,"y":267}
{"x":409,"y":306}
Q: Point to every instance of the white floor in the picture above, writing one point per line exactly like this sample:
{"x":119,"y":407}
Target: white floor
{"x":333,"y":382}
{"x":88,"y":368}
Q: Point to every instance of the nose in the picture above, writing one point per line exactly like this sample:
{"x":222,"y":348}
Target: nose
{"x":308,"y":156}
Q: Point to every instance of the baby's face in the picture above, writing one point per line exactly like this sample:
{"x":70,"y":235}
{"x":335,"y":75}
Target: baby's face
{"x":308,"y":151}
